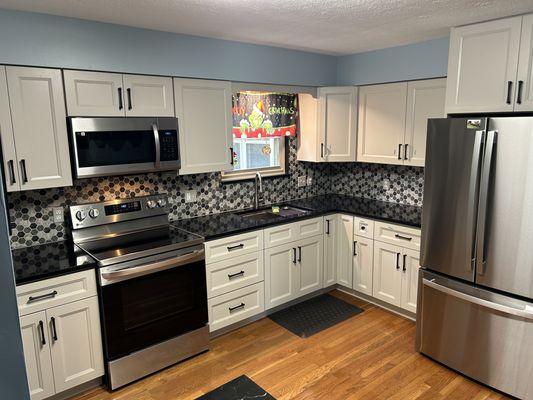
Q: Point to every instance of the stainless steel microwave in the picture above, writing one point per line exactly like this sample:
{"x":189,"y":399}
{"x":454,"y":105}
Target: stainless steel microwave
{"x":122,"y":146}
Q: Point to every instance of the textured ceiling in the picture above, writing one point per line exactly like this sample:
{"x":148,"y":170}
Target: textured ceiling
{"x":324,"y":26}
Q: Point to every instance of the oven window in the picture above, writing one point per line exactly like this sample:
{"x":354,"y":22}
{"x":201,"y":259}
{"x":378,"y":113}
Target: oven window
{"x":152,"y":308}
{"x":115,"y":148}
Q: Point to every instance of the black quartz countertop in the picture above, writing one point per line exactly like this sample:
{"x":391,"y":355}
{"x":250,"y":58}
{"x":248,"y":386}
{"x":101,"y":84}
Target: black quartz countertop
{"x":45,"y":261}
{"x":225,"y":224}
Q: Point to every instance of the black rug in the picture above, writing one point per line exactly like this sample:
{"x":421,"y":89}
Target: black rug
{"x":238,"y":389}
{"x":314,"y":315}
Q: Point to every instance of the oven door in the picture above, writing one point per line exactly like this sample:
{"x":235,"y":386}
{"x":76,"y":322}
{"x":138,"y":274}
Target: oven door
{"x":147,"y":304}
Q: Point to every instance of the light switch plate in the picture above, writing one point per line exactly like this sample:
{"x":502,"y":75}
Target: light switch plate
{"x":302,"y":180}
{"x":309,"y":181}
{"x":58,"y":214}
{"x":190,"y":196}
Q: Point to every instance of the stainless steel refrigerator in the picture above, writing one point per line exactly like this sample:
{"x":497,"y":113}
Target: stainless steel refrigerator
{"x":475,"y":294}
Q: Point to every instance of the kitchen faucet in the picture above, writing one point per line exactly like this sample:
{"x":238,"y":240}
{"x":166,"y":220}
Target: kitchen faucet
{"x":258,"y":190}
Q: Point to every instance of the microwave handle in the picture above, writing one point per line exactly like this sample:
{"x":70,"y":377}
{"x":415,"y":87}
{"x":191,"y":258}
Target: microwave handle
{"x":157,"y":146}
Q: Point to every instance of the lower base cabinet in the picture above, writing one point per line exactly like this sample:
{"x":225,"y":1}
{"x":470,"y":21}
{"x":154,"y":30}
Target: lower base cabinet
{"x":363,"y":258}
{"x":345,"y":251}
{"x":411,"y":260}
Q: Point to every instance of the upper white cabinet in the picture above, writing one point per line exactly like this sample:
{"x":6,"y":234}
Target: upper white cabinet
{"x":393,"y":120}
{"x":328,"y":130}
{"x":12,"y":177}
{"x":203,"y":109}
{"x":37,"y":104}
{"x":482,"y":66}
{"x":101,"y":94}
{"x":524,"y":92}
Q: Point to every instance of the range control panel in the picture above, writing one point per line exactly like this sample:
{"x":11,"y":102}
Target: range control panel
{"x":112,"y":211}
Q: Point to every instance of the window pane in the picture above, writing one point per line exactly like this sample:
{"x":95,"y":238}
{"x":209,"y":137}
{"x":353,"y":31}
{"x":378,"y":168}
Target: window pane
{"x":256,"y":153}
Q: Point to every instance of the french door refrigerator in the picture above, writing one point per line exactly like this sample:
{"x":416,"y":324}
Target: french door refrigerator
{"x":475,"y":296}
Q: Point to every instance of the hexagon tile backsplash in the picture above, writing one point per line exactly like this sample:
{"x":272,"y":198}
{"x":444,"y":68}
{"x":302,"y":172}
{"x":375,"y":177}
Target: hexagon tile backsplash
{"x":31,"y":216}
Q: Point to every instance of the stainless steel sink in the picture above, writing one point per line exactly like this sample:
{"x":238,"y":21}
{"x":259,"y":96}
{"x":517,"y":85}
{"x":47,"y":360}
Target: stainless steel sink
{"x":267,"y":214}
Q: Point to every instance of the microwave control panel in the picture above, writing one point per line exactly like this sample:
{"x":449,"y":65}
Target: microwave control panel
{"x":168,"y":142}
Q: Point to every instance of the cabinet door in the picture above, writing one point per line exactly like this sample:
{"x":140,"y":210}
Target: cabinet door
{"x":363,"y":264}
{"x":36,"y":343}
{"x":148,"y":96}
{"x":310,"y":265}
{"x":281,"y":279}
{"x":76,"y":343}
{"x":380,"y":133}
{"x":11,"y":173}
{"x":330,"y":250}
{"x":310,"y":138}
{"x":337,"y":118}
{"x":94,"y":94}
{"x":345,"y":250}
{"x":410,"y":266}
{"x":39,"y":124}
{"x":425,"y":99}
{"x":387,"y":273}
{"x":482,"y":66}
{"x":524,"y":92}
{"x":203,"y":109}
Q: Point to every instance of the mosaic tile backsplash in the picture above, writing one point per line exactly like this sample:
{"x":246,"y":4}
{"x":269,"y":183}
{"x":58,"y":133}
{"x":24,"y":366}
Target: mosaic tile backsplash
{"x":31,"y":216}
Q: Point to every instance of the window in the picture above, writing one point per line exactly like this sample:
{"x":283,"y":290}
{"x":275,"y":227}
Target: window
{"x":261,"y":123}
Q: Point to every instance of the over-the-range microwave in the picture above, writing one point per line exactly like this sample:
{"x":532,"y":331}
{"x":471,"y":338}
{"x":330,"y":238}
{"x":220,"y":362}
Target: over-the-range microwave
{"x":122,"y":146}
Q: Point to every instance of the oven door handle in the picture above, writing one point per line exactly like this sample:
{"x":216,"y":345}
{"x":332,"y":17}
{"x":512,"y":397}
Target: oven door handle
{"x":157,"y":146}
{"x":169,"y":263}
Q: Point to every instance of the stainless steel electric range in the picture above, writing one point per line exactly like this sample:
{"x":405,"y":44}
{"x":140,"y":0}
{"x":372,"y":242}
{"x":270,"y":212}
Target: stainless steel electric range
{"x":152,"y":284}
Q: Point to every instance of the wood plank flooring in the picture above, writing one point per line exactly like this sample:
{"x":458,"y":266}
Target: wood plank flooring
{"x":369,"y":356}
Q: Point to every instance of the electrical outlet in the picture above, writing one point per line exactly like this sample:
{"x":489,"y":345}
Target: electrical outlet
{"x":386,"y":184}
{"x":309,"y":181}
{"x":302,"y":180}
{"x":58,"y":214}
{"x":190,"y":196}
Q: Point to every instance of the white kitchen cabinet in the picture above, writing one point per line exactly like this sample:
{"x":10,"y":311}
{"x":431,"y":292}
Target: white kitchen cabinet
{"x":524,"y":92}
{"x":11,"y":172}
{"x":203,"y":109}
{"x":345,"y":250}
{"x":36,"y":344}
{"x":381,"y":127}
{"x":387,"y":276}
{"x":37,"y":104}
{"x":310,"y":265}
{"x":425,"y":99}
{"x":280,"y":275}
{"x":482,"y":66}
{"x":410,"y":266}
{"x":363,"y":257}
{"x":148,"y":96}
{"x":330,"y":249}
{"x":76,"y":344}
{"x":309,"y":139}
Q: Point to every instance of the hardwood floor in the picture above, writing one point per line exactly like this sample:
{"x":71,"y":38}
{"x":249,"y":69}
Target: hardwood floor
{"x":369,"y":356}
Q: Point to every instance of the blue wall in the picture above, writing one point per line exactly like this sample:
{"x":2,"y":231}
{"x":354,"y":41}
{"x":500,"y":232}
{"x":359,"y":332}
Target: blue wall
{"x":414,"y":61}
{"x":52,"y":41}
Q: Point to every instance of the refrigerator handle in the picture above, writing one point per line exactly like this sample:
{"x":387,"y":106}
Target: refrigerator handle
{"x":472,"y":196}
{"x":484,"y":201}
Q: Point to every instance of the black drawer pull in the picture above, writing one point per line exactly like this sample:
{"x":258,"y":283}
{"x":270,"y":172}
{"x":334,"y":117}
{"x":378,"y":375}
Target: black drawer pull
{"x":231,"y":309}
{"x":294,"y":255}
{"x":299,"y":254}
{"x":54,"y":330}
{"x":230,"y":276}
{"x":397,"y":261}
{"x":41,"y":332}
{"x":403,"y":237}
{"x":404,"y":267}
{"x":50,"y":295}
{"x":237,"y":247}
{"x":327,"y":227}
{"x":355,"y":248}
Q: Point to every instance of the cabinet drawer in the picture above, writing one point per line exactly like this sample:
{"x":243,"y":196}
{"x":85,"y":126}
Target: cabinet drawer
{"x":281,"y":234}
{"x":235,"y":273}
{"x":363,"y":227}
{"x":309,"y":227}
{"x":397,"y":234}
{"x":235,"y":306}
{"x":229,"y":247}
{"x":53,"y":292}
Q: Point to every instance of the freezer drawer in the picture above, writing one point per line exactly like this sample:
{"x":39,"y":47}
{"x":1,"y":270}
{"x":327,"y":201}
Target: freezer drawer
{"x":486,"y":336}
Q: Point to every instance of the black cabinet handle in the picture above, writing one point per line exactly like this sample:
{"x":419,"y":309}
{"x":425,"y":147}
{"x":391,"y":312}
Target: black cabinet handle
{"x":405,"y":152}
{"x":54,"y":330}
{"x":11,"y":168}
{"x":299,"y":254}
{"x":509,"y":89}
{"x":322,"y":150}
{"x":41,"y":332}
{"x":355,"y":248}
{"x":519,"y":95}
{"x":327,"y":227}
{"x":23,"y":170}
{"x":400,"y":151}
{"x":404,"y":257}
{"x":239,"y":246}
{"x":230,"y":276}
{"x":31,"y":299}
{"x":403,"y":237}
{"x":231,"y":309}
{"x":120,"y":104}
{"x":294,"y":255}
{"x":397,"y":261}
{"x":232,"y":162}
{"x":128,"y":91}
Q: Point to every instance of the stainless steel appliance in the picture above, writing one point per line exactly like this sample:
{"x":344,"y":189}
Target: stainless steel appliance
{"x":119,"y":146}
{"x":152,"y":280}
{"x":475,"y":298}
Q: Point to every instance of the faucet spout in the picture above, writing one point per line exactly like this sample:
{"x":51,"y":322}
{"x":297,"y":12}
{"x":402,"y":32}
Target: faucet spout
{"x":258,"y":190}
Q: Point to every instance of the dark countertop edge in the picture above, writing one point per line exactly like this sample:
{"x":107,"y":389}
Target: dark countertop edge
{"x":55,"y":274}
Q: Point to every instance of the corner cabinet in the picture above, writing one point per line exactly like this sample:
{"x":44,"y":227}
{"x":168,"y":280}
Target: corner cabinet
{"x":37,"y":153}
{"x":203,"y":109}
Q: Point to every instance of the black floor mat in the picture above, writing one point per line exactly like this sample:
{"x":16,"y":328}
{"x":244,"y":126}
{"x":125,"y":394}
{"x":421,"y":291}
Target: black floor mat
{"x":238,"y":389}
{"x":314,"y":315}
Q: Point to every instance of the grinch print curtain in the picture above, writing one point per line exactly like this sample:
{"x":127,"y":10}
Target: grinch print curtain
{"x":264,"y":115}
